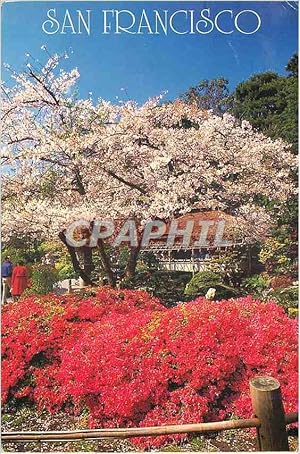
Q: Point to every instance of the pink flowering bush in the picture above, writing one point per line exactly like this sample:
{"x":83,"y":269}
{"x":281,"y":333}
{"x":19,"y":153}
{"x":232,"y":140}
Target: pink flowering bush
{"x":132,"y":362}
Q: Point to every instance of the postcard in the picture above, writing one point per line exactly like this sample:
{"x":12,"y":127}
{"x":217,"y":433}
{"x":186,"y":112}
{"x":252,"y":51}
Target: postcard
{"x":149,"y":272}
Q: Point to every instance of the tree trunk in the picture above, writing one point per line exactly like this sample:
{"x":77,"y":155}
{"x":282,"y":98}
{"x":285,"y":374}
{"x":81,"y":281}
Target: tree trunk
{"x":88,"y":265}
{"x":132,"y":261}
{"x":106,"y":264}
{"x":84,"y":273}
{"x":249,"y":258}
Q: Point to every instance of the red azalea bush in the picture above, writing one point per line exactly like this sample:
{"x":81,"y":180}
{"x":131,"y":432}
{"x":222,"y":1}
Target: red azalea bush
{"x":132,"y":362}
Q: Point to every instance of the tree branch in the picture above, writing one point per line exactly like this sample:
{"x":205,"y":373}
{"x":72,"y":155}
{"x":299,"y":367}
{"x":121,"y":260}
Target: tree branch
{"x":127,"y":183}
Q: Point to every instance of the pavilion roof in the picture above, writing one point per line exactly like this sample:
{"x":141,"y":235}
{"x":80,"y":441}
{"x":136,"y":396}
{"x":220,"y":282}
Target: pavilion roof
{"x":197,"y":218}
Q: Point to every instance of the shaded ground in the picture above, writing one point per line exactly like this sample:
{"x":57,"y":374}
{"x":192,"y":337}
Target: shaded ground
{"x":26,"y":419}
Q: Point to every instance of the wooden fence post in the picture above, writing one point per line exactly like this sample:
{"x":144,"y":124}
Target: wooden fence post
{"x":268,"y":408}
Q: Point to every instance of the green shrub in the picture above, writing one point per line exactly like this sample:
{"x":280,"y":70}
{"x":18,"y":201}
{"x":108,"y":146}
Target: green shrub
{"x":231,"y":265}
{"x":167,"y":285}
{"x":119,"y":260}
{"x":22,"y":252}
{"x":256,"y":285}
{"x":287,"y":298}
{"x":43,"y":278}
{"x":147,"y":261}
{"x":277,"y":253}
{"x":60,"y":259}
{"x":65,"y":269}
{"x":203,"y":281}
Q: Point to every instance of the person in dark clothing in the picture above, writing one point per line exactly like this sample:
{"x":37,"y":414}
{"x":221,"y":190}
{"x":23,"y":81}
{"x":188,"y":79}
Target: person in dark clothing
{"x":6,"y":274}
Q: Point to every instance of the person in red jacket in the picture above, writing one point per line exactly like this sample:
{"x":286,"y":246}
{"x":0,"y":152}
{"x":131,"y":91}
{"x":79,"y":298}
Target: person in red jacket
{"x":19,"y":280}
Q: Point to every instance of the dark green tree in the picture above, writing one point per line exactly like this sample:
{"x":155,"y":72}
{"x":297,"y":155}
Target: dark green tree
{"x":292,"y":66}
{"x":270,"y":103}
{"x":210,"y":95}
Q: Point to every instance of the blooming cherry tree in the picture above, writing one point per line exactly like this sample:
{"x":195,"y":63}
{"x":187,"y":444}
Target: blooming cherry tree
{"x":67,"y":158}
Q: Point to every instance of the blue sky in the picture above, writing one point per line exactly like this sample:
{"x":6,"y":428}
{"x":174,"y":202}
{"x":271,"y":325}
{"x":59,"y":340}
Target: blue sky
{"x":146,"y":65}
